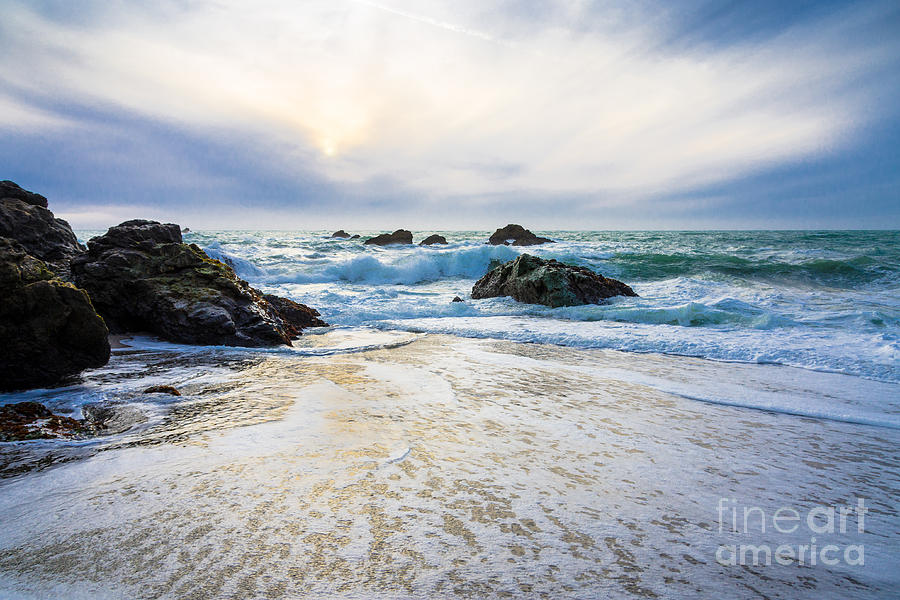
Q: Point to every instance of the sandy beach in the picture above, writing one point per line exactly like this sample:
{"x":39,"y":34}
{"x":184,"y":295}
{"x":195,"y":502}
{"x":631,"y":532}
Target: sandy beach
{"x":438,"y":466}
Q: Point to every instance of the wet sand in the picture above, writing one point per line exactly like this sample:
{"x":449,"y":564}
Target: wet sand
{"x":446,"y":467}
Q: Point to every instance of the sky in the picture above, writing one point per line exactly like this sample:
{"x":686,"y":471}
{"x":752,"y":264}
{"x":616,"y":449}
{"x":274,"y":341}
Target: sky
{"x":470,"y":114}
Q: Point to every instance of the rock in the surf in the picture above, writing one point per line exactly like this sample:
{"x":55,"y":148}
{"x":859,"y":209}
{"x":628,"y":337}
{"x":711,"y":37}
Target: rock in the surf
{"x":141,"y":277}
{"x":162,"y":389}
{"x":433,"y":239}
{"x":538,"y":281}
{"x":516,"y":235}
{"x":401,"y":236}
{"x":340,"y":234}
{"x":296,"y":315}
{"x":49,"y":329}
{"x":34,"y":421}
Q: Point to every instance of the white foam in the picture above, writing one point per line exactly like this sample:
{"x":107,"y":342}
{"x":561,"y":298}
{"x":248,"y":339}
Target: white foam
{"x":410,"y":267}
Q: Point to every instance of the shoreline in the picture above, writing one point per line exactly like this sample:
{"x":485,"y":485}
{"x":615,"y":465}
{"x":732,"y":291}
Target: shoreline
{"x":448,"y":466}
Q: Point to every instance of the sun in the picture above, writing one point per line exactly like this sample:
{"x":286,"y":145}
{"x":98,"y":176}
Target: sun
{"x":329,"y":148}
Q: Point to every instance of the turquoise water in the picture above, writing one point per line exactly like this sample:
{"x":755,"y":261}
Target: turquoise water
{"x":821,"y":300}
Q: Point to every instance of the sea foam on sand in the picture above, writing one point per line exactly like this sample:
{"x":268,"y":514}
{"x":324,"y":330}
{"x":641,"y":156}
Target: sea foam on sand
{"x":451,"y":467}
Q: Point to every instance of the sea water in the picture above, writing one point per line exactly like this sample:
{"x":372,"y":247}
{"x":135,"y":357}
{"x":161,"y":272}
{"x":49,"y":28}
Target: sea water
{"x":818,"y":300}
{"x":822,"y":300}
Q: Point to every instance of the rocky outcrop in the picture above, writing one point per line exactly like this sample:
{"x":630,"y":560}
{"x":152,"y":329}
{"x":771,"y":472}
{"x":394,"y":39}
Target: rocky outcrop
{"x":401,"y":236}
{"x":433,"y":239}
{"x":25,"y":218}
{"x":141,"y":277}
{"x":49,"y":329}
{"x":516,"y":235}
{"x":538,"y":281}
{"x":9,"y":189}
{"x":340,"y":233}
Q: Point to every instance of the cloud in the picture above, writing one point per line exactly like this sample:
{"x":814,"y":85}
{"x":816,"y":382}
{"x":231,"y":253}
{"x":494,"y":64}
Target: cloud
{"x":464,"y":101}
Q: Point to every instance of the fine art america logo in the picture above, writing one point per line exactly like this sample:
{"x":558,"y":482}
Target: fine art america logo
{"x":818,"y":531}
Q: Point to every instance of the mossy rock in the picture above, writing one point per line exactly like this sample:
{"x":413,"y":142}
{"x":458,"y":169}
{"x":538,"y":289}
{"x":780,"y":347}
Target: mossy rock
{"x":142,"y":277}
{"x":49,"y":329}
{"x":538,"y":281}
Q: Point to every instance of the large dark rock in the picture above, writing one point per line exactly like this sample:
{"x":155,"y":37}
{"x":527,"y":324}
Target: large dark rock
{"x":433,"y":239}
{"x":517,"y":236}
{"x":401,"y":236}
{"x":537,"y":281}
{"x":141,"y":277}
{"x":25,"y":218}
{"x":49,"y":329}
{"x":340,"y":234}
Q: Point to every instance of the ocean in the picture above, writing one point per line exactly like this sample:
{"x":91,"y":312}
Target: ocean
{"x":423,"y":448}
{"x":819,"y":300}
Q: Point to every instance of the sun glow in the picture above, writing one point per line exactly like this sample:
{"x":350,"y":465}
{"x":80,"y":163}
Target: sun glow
{"x":329,"y":148}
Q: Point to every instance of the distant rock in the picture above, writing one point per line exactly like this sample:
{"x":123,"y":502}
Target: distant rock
{"x":401,"y":236}
{"x":186,"y":230}
{"x":34,"y":421}
{"x":433,"y":239}
{"x":340,"y":234}
{"x":25,"y":218}
{"x":49,"y":329}
{"x":354,"y":236}
{"x":538,"y":281}
{"x":141,"y":277}
{"x":457,"y":299}
{"x":516,"y":235}
{"x":162,"y":389}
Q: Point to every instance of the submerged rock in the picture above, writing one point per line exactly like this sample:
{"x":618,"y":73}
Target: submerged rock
{"x":401,"y":236}
{"x":340,"y":233}
{"x":457,"y":299}
{"x":49,"y":329}
{"x":538,"y":281}
{"x":516,"y":235}
{"x":141,"y":277}
{"x":34,"y":421}
{"x":433,"y":239}
{"x":25,"y":218}
{"x":162,"y":389}
{"x":109,"y":419}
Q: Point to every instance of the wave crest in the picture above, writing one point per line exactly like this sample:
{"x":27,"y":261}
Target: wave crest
{"x":423,"y":265}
